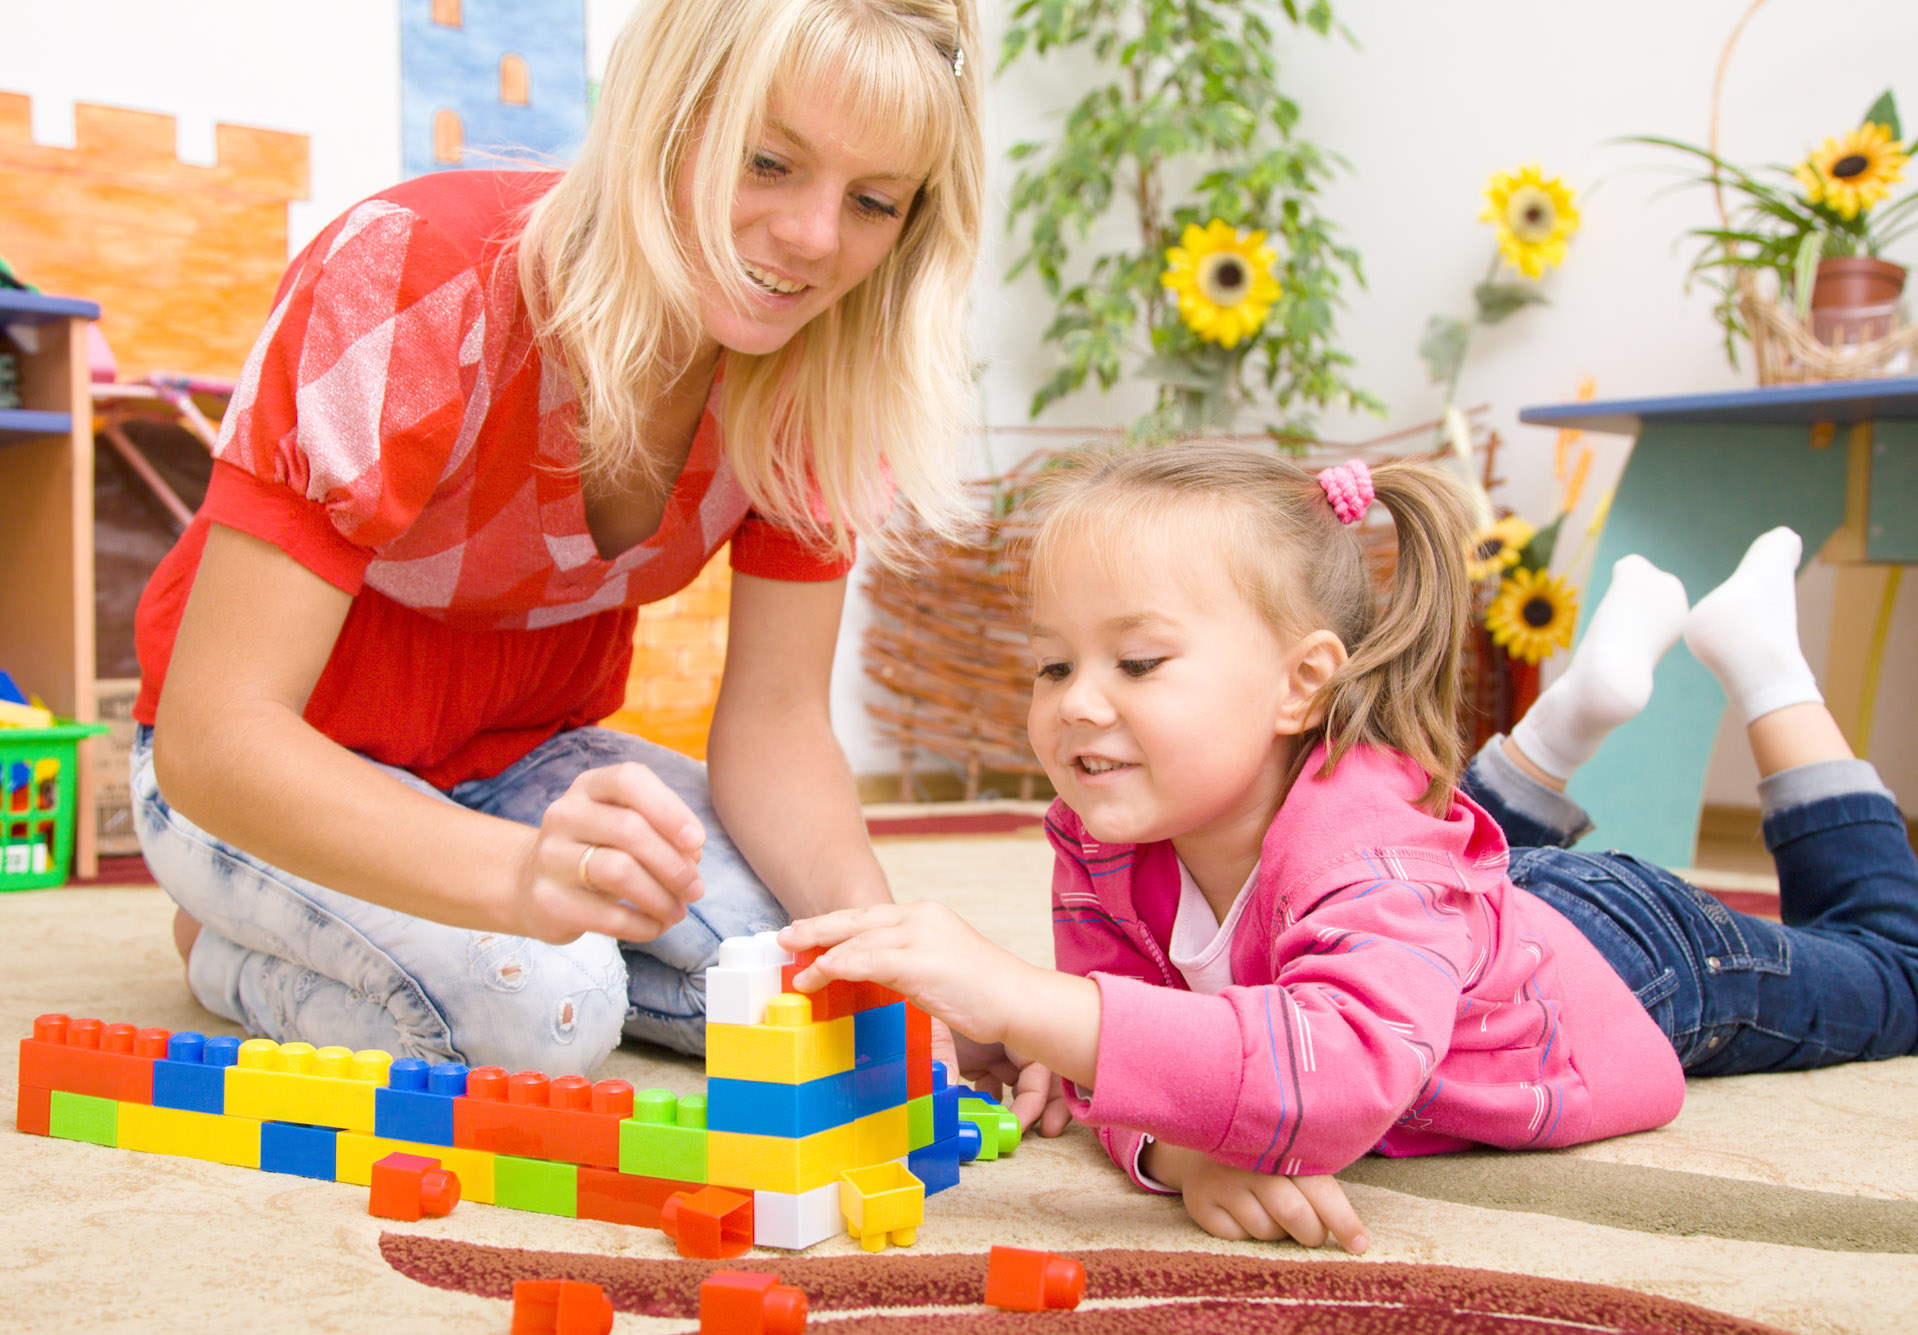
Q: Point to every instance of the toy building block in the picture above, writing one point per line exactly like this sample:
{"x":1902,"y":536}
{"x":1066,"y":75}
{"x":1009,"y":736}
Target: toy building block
{"x":356,"y":1153}
{"x":409,"y":1186}
{"x":780,"y":1163}
{"x":879,"y":1033}
{"x":32,"y":1115}
{"x":539,"y":1185}
{"x":560,"y":1307}
{"x":998,"y":1127}
{"x":918,"y":1123}
{"x":113,"y":1061}
{"x":745,"y":979}
{"x":417,"y":1102}
{"x":83,"y":1117}
{"x":839,"y":998}
{"x":24,"y":716}
{"x":881,"y":1136}
{"x":790,"y":1047}
{"x":879,"y":1084}
{"x":883,"y":1203}
{"x":303,"y":1151}
{"x":10,"y":690}
{"x":945,"y":1104}
{"x":569,"y":1120}
{"x":665,"y":1137}
{"x":192,"y":1135}
{"x":1033,"y":1281}
{"x":296,"y":1082}
{"x":750,"y":1302}
{"x":711,"y":1223}
{"x":769,"y":1108}
{"x":798,"y":1220}
{"x":970,"y":1141}
{"x":918,"y":1052}
{"x":936,"y":1165}
{"x":192,"y":1074}
{"x":625,"y":1198}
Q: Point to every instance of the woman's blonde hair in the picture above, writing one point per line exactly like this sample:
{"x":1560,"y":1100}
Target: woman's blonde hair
{"x":870,"y":396}
{"x":1268,"y":519}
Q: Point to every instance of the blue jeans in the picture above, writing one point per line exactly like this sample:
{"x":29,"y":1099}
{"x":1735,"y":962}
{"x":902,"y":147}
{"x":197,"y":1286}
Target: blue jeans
{"x":289,"y":959}
{"x":1835,"y":981}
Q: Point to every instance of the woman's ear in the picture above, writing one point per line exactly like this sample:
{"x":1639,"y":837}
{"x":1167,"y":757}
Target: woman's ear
{"x":1311,"y":664}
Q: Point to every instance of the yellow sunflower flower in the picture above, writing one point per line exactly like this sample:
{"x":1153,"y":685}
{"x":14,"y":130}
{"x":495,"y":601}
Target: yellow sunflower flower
{"x":1535,"y":217}
{"x":1495,"y":547}
{"x":1850,"y":175}
{"x":1532,"y":615}
{"x":1223,"y":280}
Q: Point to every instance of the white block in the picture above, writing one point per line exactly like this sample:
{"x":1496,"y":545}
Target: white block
{"x":796,"y":1222}
{"x":744,"y":980}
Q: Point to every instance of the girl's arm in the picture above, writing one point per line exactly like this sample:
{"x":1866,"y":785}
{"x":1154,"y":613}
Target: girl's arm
{"x":233,"y":755}
{"x":779,"y":781}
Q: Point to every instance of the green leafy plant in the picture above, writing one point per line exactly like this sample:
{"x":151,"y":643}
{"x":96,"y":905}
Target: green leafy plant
{"x":1196,"y":115}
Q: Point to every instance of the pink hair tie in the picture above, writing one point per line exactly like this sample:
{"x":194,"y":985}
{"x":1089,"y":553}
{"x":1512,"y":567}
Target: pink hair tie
{"x":1348,"y":486}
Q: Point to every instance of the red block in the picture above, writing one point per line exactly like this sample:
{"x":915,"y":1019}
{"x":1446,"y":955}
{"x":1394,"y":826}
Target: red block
{"x":1033,"y":1281}
{"x":835,"y":999}
{"x":34,"y":1113}
{"x":625,"y":1198}
{"x":112,"y":1061}
{"x":407,"y":1186}
{"x":711,"y":1223}
{"x":568,"y":1120}
{"x":560,"y":1307}
{"x":750,"y":1302}
{"x":918,"y":1052}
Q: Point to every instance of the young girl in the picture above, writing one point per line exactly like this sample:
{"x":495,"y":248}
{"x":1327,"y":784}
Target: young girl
{"x":1286,"y":940}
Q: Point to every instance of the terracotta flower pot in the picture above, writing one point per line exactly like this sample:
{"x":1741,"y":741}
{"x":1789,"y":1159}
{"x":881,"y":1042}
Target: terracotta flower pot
{"x":1847,"y":282}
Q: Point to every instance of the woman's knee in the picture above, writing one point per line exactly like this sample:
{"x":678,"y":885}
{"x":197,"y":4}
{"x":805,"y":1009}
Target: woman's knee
{"x":555,"y":1009}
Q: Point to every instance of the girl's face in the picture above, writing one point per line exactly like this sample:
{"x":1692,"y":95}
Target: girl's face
{"x":819,"y":203}
{"x":1158,"y":696}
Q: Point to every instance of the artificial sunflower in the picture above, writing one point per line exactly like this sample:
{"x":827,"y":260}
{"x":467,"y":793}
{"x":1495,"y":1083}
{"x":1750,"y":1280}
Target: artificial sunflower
{"x":1496,"y":547}
{"x":1535,"y":217}
{"x":1532,"y":615}
{"x":1850,"y":175}
{"x":1223,"y":281}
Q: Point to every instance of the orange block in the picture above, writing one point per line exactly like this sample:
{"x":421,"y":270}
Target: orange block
{"x":408,"y":1186}
{"x":711,"y":1223}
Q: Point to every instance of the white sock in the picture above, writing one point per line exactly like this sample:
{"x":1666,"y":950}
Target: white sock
{"x":1610,"y":678}
{"x":1746,"y":630}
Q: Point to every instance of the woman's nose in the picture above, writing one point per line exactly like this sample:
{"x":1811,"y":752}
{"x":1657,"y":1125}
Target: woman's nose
{"x":810,"y":226}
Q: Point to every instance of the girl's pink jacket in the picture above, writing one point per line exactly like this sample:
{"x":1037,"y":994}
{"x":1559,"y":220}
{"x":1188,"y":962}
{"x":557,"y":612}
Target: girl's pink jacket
{"x":1398,"y":993}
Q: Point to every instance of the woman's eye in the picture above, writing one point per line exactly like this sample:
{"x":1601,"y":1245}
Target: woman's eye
{"x":1138,"y":667}
{"x":760,"y":164}
{"x":873,"y":207}
{"x":1054,"y":671}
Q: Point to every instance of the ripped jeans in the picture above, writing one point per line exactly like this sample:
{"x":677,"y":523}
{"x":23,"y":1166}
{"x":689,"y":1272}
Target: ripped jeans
{"x":292,"y":960}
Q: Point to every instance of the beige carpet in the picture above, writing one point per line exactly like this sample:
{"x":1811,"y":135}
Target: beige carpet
{"x":1785,"y":1200}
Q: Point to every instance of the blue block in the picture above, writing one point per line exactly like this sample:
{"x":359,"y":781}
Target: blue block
{"x":768,"y":1108}
{"x":192,"y":1075}
{"x":305,"y":1151}
{"x":937,"y":1164}
{"x":879,"y":1085}
{"x":970,"y":1140}
{"x":945,"y":1112}
{"x":879,"y":1033}
{"x":416,"y":1103}
{"x":11,"y":693}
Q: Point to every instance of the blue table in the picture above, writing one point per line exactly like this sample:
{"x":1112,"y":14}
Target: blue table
{"x":1837,"y":461}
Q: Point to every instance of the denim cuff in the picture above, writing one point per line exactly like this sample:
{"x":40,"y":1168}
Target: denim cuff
{"x":1800,"y":784}
{"x":1823,"y":814}
{"x":1499,"y":774}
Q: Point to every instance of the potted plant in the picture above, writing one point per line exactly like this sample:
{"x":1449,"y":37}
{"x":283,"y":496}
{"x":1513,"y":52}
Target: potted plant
{"x":1818,"y":227}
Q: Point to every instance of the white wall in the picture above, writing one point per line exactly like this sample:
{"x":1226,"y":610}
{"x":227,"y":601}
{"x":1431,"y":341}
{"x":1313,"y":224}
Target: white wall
{"x":1430,"y":100}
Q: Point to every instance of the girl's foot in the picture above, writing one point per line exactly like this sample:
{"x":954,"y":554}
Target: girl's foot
{"x":186,"y":931}
{"x":1610,"y":679}
{"x":1746,"y":630}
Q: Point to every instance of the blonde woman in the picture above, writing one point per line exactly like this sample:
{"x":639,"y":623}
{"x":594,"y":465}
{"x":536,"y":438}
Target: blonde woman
{"x":491,"y":414}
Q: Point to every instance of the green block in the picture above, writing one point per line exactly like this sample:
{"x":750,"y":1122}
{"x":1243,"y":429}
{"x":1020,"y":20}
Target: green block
{"x":539,"y":1185}
{"x":84,"y":1117}
{"x":665,"y":1136}
{"x":919,"y":1122}
{"x":998,"y":1128}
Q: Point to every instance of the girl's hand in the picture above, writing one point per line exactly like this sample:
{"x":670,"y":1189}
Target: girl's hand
{"x":642,"y":871}
{"x":922,"y":949}
{"x":1236,"y":1203}
{"x":1036,"y":1093}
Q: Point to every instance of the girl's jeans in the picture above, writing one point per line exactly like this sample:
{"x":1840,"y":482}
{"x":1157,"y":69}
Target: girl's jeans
{"x":1837,"y":981}
{"x":293,"y":960}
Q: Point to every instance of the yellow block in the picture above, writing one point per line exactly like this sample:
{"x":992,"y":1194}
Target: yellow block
{"x":295,"y":1082}
{"x":882,"y":1203}
{"x":883,"y":1135}
{"x":785,"y":1054}
{"x":355,"y":1154}
{"x":192,"y":1135}
{"x":777,"y":1163}
{"x":24,"y":716}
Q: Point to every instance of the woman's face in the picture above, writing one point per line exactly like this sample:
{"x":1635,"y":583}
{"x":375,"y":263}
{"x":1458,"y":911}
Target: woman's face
{"x":819,"y":203}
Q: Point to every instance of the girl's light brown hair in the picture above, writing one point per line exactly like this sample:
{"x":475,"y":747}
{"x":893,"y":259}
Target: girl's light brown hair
{"x":1268,"y":519}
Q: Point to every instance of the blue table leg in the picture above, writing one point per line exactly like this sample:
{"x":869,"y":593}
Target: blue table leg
{"x":1690,"y":500}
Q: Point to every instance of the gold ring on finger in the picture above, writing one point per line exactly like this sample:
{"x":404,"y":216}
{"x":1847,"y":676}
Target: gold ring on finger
{"x":586,"y":876}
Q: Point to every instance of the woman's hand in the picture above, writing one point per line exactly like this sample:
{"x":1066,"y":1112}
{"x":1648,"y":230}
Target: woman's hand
{"x":618,"y":853}
{"x":1237,"y":1203}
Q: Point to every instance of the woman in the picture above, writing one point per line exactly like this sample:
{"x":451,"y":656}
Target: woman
{"x":490,"y":415}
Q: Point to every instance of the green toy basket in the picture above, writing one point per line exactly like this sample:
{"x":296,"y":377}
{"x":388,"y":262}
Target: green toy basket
{"x":38,"y":770}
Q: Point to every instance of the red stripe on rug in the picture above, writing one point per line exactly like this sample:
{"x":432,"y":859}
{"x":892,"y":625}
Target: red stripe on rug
{"x":958,"y":822}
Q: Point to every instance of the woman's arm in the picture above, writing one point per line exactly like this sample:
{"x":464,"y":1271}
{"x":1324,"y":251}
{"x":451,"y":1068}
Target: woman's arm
{"x":233,"y":754}
{"x":779,"y":780}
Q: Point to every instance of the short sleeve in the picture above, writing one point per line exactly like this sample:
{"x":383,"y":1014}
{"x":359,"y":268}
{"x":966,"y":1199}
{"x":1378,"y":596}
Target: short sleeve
{"x":763,"y":549}
{"x":355,"y":394}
